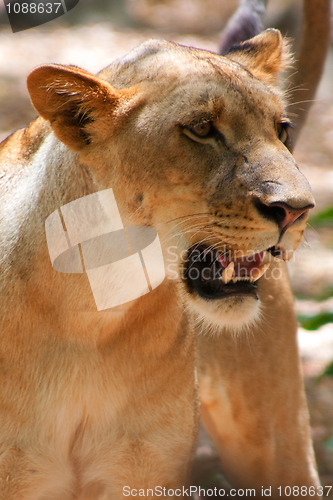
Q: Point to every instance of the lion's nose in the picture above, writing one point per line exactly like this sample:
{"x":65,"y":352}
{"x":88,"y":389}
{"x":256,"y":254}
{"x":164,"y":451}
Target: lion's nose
{"x":282,"y":213}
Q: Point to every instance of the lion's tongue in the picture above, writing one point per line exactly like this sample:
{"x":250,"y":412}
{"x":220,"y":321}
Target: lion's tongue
{"x":242,"y":267}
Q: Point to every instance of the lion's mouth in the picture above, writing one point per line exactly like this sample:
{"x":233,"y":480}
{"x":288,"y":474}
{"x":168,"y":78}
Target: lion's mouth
{"x":214,"y":274}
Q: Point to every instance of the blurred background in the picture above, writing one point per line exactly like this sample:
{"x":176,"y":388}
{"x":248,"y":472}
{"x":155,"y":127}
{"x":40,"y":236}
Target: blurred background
{"x":95,"y":32}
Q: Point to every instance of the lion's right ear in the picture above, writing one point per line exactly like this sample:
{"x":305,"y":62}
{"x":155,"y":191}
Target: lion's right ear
{"x":81,"y":108}
{"x":264,"y":55}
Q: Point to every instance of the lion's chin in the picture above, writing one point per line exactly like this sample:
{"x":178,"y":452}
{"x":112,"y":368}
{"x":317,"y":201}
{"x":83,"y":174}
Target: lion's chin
{"x":235,"y":314}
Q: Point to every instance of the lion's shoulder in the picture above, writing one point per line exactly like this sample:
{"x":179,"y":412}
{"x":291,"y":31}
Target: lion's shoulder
{"x":19,"y":147}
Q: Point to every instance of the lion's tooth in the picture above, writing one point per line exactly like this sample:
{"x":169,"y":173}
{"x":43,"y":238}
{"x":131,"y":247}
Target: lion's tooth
{"x":258,"y":272}
{"x":228,"y":272}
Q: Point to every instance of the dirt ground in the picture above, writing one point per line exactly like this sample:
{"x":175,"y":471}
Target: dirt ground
{"x":93,"y":45}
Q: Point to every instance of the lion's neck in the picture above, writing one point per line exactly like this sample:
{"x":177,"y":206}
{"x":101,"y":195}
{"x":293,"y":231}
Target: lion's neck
{"x":51,"y":177}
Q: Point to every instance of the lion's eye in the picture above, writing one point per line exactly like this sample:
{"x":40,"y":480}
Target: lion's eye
{"x":283,"y":133}
{"x":204,"y":132}
{"x":202,"y":129}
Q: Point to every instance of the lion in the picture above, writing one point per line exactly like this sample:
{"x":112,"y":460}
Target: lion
{"x":105,"y":404}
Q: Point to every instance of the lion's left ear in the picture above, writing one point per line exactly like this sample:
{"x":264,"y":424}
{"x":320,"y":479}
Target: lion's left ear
{"x":264,"y":55}
{"x":81,"y":108}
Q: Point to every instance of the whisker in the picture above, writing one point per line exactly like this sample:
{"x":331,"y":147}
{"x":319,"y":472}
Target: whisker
{"x":206,"y":250}
{"x":179,"y":224}
{"x":187,"y":230}
{"x":188,"y":215}
{"x":177,"y":229}
{"x":305,"y":101}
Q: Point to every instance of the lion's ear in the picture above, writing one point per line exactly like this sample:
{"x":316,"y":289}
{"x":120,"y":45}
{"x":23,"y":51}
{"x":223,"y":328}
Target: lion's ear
{"x":81,"y":107}
{"x":264,"y":55}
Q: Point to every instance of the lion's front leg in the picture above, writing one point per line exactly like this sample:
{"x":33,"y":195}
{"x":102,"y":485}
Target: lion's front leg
{"x":253,"y":401}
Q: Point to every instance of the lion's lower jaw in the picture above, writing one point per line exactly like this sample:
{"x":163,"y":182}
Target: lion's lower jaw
{"x":236,"y":314}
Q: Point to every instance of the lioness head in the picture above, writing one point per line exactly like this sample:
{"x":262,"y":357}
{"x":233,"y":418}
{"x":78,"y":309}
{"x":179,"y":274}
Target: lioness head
{"x":195,"y":145}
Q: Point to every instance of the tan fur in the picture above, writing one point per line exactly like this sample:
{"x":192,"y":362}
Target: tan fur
{"x":93,"y":401}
